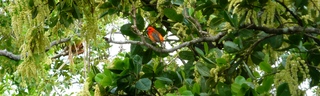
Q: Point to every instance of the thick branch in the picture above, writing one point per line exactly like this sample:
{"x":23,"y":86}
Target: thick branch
{"x":209,"y":39}
{"x":288,"y":30}
{"x":18,"y":57}
{"x":10,"y":55}
{"x":56,"y":42}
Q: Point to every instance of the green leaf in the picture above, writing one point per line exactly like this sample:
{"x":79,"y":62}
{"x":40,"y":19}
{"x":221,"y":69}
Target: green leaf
{"x":34,"y":12}
{"x":228,"y":18}
{"x":221,"y":61}
{"x":231,"y":47}
{"x":223,"y":89}
{"x":215,"y":22}
{"x":106,"y":5}
{"x":222,"y":3}
{"x":115,"y":2}
{"x":182,"y":89}
{"x":206,"y":48}
{"x":187,"y":93}
{"x":265,"y":67}
{"x":186,"y":55}
{"x":165,"y":79}
{"x":126,"y":30}
{"x":203,"y":70}
{"x":140,"y":22}
{"x":240,"y":80}
{"x":52,"y":3}
{"x":246,"y":33}
{"x":266,"y":84}
{"x":199,"y":51}
{"x":143,"y":84}
{"x":103,"y":14}
{"x":137,"y":62}
{"x":196,"y":88}
{"x":276,"y":41}
{"x":257,"y":57}
{"x":103,"y":80}
{"x":31,"y":3}
{"x":53,"y":21}
{"x":177,"y":2}
{"x":76,"y":13}
{"x":159,"y":84}
{"x":172,"y":14}
{"x":283,"y":90}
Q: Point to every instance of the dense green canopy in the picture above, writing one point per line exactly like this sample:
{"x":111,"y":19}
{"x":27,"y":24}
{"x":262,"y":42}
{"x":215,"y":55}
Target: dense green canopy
{"x":219,"y":47}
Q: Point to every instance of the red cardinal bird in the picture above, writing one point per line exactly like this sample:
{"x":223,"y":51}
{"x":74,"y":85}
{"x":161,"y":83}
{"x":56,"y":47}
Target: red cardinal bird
{"x":154,"y":35}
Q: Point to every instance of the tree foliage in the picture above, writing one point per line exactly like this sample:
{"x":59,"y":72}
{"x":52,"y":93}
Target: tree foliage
{"x":222,"y":47}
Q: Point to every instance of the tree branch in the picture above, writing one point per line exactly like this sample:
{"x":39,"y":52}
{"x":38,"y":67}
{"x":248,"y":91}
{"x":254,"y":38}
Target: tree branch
{"x":56,"y":42}
{"x":209,"y":39}
{"x":288,"y":30}
{"x":18,"y":57}
{"x":10,"y":55}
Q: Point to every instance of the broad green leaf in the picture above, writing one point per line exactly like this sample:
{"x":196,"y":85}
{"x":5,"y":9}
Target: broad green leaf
{"x":235,"y":88}
{"x":246,"y":33}
{"x":199,"y":51}
{"x":143,"y":84}
{"x":257,"y":57}
{"x":283,"y":90}
{"x":103,"y":79}
{"x":115,"y":2}
{"x":137,"y":62}
{"x":275,"y":41}
{"x":228,"y":18}
{"x":186,"y":55}
{"x":159,"y":84}
{"x":215,"y":22}
{"x":171,"y":94}
{"x":177,"y":2}
{"x":265,"y":67}
{"x":203,"y":70}
{"x":196,"y":88}
{"x":187,"y":93}
{"x":240,"y":80}
{"x":105,"y":5}
{"x":126,"y":30}
{"x":140,"y":22}
{"x":52,"y":3}
{"x":223,"y":89}
{"x":165,"y":79}
{"x":53,"y":21}
{"x":172,"y":14}
{"x":221,"y":61}
{"x":266,"y":85}
{"x":147,"y":56}
{"x":182,"y":89}
{"x":222,"y":3}
{"x":314,"y":74}
{"x":231,"y":47}
{"x":30,"y":3}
